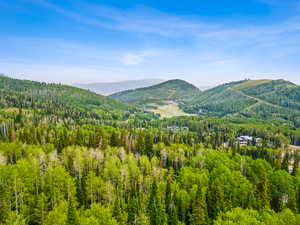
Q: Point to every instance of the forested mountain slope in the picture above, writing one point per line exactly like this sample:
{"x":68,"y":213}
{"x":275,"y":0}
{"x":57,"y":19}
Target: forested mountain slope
{"x":172,"y":90}
{"x":178,"y":171}
{"x":58,"y":99}
{"x":250,"y":98}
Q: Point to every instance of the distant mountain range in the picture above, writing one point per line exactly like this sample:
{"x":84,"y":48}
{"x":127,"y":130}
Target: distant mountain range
{"x":114,"y":87}
{"x":264,"y":99}
{"x":267,"y":99}
{"x":204,"y":88}
{"x":172,"y":90}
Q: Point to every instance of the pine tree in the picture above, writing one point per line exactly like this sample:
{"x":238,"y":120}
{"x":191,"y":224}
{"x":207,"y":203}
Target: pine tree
{"x":140,"y":144}
{"x":133,"y":210}
{"x":72,"y":218}
{"x":198,"y":213}
{"x":171,"y":209}
{"x":114,"y":139}
{"x":168,"y":197}
{"x":296,"y":164}
{"x":149,"y":144}
{"x":102,"y":142}
{"x":156,"y":211}
{"x":264,"y":194}
{"x":118,"y":211}
{"x":285,"y":163}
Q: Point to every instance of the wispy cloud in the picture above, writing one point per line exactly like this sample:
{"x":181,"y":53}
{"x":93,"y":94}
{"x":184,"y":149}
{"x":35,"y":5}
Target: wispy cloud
{"x":64,"y":73}
{"x":140,"y":19}
{"x":175,"y":44}
{"x":135,"y":58}
{"x":150,"y":21}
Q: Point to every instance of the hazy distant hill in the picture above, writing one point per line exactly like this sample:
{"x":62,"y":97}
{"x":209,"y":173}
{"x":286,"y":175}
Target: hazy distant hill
{"x":114,"y":87}
{"x":204,"y":88}
{"x":250,"y":98}
{"x":172,"y":90}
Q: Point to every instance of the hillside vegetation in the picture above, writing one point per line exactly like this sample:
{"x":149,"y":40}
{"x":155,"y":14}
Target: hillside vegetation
{"x":60,"y":165}
{"x":250,"y":98}
{"x":168,"y":111}
{"x":59,"y":99}
{"x":172,"y":90}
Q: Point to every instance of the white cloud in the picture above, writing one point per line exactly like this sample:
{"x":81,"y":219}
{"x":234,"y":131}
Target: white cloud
{"x":135,"y":58}
{"x":191,"y":46}
{"x":131,"y":59}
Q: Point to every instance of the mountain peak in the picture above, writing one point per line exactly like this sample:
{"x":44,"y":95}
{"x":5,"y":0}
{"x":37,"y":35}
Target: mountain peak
{"x":171,"y":90}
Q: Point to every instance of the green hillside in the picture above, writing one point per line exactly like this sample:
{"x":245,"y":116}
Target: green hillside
{"x":67,"y":159}
{"x":58,"y":99}
{"x":172,"y":90}
{"x":250,"y":98}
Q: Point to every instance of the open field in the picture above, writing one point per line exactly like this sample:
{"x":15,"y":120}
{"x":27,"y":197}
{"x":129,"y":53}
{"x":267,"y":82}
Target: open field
{"x":168,"y":111}
{"x":293,"y":147}
{"x":251,"y":83}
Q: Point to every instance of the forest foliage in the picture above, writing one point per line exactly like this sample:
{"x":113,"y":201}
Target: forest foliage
{"x":62,"y":164}
{"x":263,"y":99}
{"x":171,"y":90}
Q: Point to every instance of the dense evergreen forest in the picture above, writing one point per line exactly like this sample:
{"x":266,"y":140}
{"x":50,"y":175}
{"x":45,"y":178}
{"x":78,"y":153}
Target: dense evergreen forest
{"x":72,"y":157}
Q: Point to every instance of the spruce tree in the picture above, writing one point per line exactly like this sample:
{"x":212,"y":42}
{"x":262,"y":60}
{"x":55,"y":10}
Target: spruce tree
{"x":133,"y":210}
{"x":285,"y":163}
{"x":72,"y":218}
{"x":296,"y":164}
{"x":198,"y":211}
{"x":156,"y":211}
{"x":114,"y":139}
{"x":170,"y":206}
{"x":149,"y":144}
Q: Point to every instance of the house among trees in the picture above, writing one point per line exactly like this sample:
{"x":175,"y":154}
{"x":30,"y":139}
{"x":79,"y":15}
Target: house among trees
{"x":248,"y":140}
{"x":175,"y":128}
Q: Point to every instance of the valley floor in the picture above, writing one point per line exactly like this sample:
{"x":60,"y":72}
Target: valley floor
{"x":168,"y":111}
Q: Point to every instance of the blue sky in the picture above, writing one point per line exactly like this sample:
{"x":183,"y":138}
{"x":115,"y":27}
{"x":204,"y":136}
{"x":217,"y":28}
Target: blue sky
{"x":206,"y":42}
